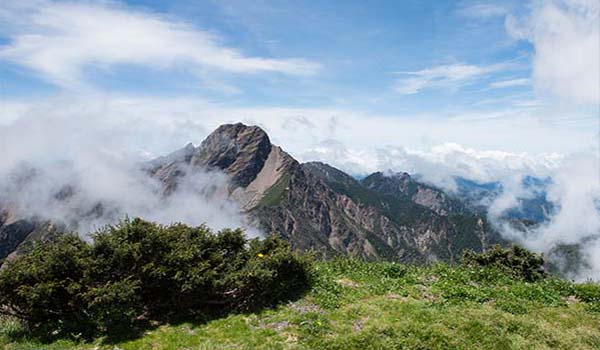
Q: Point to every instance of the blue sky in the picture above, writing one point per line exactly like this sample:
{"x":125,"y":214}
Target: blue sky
{"x":362,"y":50}
{"x":490,"y":75}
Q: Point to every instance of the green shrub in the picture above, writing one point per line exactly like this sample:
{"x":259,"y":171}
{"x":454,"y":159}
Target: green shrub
{"x":138,"y":270}
{"x":589,"y":293}
{"x":270,"y":275}
{"x":515,"y":261}
{"x":46,"y":286}
{"x":393,"y":270}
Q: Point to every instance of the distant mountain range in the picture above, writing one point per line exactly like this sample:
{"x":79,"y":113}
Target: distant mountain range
{"x":533,"y":207}
{"x":318,"y":207}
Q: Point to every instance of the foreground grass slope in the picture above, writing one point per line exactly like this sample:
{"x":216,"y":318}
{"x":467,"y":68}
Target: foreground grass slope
{"x":357,"y":305}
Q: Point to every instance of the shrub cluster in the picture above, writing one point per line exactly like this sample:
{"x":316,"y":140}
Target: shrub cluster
{"x":589,"y":293}
{"x":138,"y":271}
{"x":516,"y":261}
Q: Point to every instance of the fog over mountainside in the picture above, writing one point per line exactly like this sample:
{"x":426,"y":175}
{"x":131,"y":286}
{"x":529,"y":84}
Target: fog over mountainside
{"x":558,"y":193}
{"x":396,"y":130}
{"x":79,"y":174}
{"x":236,"y":177}
{"x":85,"y":182}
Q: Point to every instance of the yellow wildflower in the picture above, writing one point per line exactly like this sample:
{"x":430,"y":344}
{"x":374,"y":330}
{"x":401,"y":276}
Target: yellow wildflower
{"x":260,"y":255}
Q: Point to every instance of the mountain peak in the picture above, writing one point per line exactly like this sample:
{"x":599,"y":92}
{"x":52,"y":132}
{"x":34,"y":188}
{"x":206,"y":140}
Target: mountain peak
{"x":181,"y":155}
{"x":239,"y":129}
{"x":238,"y":149}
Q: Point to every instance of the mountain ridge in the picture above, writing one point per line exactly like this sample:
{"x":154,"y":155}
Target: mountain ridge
{"x":317,"y":207}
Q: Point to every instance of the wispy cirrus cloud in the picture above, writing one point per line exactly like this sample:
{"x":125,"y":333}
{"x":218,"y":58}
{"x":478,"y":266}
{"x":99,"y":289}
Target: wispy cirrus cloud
{"x":511,"y":83}
{"x":482,"y":10}
{"x":443,"y":76}
{"x":59,"y":40}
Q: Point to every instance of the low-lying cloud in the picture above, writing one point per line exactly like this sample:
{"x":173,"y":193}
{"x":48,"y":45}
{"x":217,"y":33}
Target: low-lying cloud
{"x":102,"y":139}
{"x":573,"y":188}
{"x":83,"y":169}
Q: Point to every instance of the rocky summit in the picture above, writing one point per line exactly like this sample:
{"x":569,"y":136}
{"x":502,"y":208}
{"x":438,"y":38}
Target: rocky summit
{"x":313,"y":205}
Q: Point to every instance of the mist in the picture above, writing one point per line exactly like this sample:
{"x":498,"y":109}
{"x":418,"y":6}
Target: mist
{"x":573,"y":188}
{"x":575,"y":191}
{"x":83,"y":167}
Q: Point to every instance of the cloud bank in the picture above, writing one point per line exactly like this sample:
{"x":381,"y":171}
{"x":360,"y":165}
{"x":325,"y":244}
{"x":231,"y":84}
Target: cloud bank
{"x":82,"y":168}
{"x":566,"y":39}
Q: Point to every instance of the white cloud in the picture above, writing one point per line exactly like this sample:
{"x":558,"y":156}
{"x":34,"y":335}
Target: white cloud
{"x":11,"y":111}
{"x":451,"y":75}
{"x":574,"y":189}
{"x":187,"y":119}
{"x":566,"y":38}
{"x":98,"y":152}
{"x":59,"y":40}
{"x":438,"y":164}
{"x":510,"y":83}
{"x":482,"y":11}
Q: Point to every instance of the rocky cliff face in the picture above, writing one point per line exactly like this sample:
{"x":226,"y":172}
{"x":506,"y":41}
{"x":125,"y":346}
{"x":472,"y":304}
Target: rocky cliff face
{"x":314,"y":206}
{"x":240,"y":151}
{"x":403,"y":187}
{"x":12,"y":232}
{"x":18,"y":233}
{"x":408,"y":220}
{"x":245,"y":153}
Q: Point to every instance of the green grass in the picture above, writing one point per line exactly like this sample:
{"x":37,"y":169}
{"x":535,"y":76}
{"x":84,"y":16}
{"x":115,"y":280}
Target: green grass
{"x":357,"y":305}
{"x":275,"y":193}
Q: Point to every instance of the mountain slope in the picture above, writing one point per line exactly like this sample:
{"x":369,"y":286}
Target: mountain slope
{"x":421,"y":217}
{"x":12,"y":232}
{"x":317,"y":207}
{"x":16,"y":234}
{"x":314,"y":206}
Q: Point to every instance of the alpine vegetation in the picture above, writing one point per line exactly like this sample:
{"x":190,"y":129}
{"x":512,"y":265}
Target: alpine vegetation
{"x":138,"y":271}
